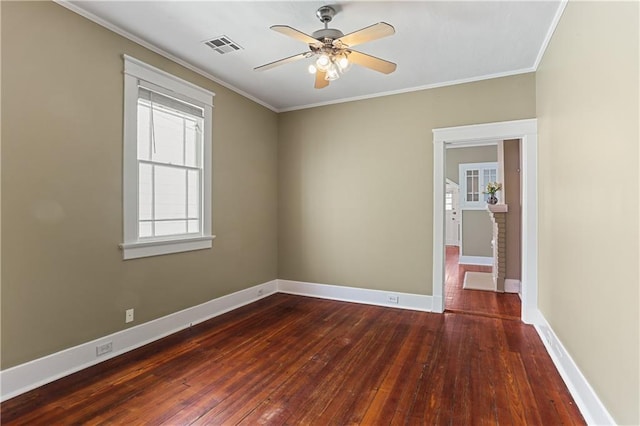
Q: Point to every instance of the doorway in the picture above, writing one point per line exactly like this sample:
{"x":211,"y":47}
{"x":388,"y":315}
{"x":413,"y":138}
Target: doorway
{"x":471,"y":286}
{"x":526,"y":131}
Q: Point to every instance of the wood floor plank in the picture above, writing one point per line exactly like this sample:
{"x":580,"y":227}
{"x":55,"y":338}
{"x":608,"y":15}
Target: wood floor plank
{"x":477,"y":302}
{"x":393,"y":395}
{"x":357,"y":341}
{"x":252,"y":373}
{"x":297,"y":360}
{"x":324,"y":353}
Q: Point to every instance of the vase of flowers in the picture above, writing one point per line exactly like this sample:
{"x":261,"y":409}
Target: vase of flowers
{"x":492,"y":188}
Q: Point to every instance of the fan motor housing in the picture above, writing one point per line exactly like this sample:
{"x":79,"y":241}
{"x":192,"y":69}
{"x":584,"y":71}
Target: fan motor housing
{"x":325,"y":33}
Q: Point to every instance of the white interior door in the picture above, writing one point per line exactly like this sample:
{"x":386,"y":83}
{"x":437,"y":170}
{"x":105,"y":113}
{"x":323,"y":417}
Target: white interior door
{"x":452,"y":214}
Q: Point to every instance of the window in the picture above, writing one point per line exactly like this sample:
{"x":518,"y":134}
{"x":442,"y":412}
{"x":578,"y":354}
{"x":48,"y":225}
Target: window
{"x":167,"y":163}
{"x":474,"y":178}
{"x":448,"y":201}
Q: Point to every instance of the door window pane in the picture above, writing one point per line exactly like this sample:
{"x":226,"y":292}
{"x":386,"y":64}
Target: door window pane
{"x":472,"y":185}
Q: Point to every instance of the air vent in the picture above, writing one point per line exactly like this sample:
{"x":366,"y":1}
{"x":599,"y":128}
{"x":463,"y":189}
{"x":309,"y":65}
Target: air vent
{"x":223,"y":44}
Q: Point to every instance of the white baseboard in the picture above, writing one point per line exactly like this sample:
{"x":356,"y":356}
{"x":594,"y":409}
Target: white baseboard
{"x":30,"y":375}
{"x":416,"y":302}
{"x":511,"y":286}
{"x":25,"y":377}
{"x":476,"y":260}
{"x":593,"y":410}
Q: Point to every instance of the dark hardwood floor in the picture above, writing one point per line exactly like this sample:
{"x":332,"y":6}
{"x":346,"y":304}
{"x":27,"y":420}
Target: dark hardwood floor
{"x":476,"y":302}
{"x":303,"y":361}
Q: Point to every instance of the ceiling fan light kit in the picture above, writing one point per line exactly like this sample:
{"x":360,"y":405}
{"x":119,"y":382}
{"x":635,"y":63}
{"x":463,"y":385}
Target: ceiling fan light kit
{"x":333,"y":50}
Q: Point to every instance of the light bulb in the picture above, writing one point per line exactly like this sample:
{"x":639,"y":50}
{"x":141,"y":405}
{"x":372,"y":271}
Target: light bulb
{"x":312,"y":69}
{"x":323,"y":62}
{"x":343,"y":63}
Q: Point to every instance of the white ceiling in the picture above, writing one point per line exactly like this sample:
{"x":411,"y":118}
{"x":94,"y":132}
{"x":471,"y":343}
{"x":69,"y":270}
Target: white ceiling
{"x":436,"y":43}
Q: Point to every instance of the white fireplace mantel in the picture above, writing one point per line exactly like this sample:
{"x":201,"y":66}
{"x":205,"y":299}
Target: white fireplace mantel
{"x":497,"y":208}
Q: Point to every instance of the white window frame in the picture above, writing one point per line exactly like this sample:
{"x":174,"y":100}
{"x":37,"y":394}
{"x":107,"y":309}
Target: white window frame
{"x":135,"y":73}
{"x":481,"y":204}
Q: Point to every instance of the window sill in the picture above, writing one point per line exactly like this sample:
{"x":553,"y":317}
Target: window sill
{"x":159,"y":247}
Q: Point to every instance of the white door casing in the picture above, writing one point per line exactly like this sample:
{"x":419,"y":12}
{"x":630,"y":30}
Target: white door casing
{"x":527,"y":132}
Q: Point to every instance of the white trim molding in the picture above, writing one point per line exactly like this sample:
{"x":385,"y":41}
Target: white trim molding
{"x":30,"y":375}
{"x":511,"y":286}
{"x":476,"y":260}
{"x":590,"y":406}
{"x":390,"y":299}
{"x":481,"y":134}
{"x":136,"y":74}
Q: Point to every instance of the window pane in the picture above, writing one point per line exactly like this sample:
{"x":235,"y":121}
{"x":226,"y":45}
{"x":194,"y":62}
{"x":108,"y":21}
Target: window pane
{"x":472,"y":185}
{"x":168,"y":136}
{"x":193,"y":188}
{"x":489,"y":176}
{"x":170,"y":193}
{"x":193,"y":226}
{"x":144,"y":139}
{"x":145,"y":192}
{"x":171,"y":227}
{"x":145,"y":229}
{"x":192,"y":143}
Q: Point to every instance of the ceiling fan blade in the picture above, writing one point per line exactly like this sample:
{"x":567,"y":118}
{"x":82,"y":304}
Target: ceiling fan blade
{"x":283,"y":61}
{"x":320,"y":81}
{"x":373,"y":32}
{"x":298,"y":35}
{"x":371,"y":62}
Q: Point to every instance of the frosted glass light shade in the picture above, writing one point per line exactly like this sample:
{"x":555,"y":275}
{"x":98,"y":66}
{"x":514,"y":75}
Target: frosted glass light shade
{"x":332,"y":73}
{"x":343,"y":63}
{"x":323,"y":62}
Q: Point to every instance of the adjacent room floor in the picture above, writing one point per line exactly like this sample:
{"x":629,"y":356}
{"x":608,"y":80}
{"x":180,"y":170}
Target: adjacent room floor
{"x":477,"y":302}
{"x":303,"y":361}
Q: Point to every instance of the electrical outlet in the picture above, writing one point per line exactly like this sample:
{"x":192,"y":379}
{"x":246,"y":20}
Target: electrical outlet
{"x":129,"y":315}
{"x":392,"y":298}
{"x":104,"y":349}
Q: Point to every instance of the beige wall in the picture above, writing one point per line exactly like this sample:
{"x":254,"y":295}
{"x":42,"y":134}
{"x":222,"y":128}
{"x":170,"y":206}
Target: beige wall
{"x":63,"y":278}
{"x":356,"y":179}
{"x":477,"y":228}
{"x":474,"y":154}
{"x":587,"y":107}
{"x":354,"y":201}
{"x":477,"y":233}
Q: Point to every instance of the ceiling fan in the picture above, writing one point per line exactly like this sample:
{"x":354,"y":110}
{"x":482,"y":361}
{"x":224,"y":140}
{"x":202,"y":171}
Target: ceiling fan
{"x":334,"y":50}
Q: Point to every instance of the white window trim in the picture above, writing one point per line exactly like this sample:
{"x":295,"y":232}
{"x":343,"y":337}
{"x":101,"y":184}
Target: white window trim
{"x":481,"y":204}
{"x":132,"y":247}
